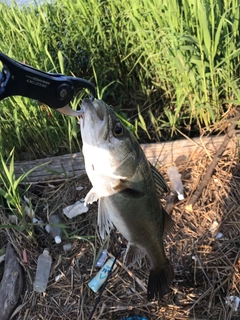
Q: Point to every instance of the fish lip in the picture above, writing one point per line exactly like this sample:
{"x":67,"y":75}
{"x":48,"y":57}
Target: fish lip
{"x":88,"y":104}
{"x":95,"y":113}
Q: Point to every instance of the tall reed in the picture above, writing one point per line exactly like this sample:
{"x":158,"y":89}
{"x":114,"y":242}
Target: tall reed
{"x":162,"y":64}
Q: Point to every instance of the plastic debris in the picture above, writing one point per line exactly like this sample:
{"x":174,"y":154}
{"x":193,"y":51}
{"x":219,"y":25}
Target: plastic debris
{"x":13,"y":219}
{"x":102,"y":259}
{"x":40,"y":223}
{"x":43,"y":271}
{"x":219,"y":235}
{"x":28,"y":210}
{"x":31,"y":213}
{"x":233,"y":301}
{"x":214,"y":227}
{"x":96,"y":283}
{"x":55,"y":230}
{"x":2,"y":258}
{"x":67,"y":247}
{"x":79,"y":188}
{"x":175,"y":180}
{"x":58,"y":277}
{"x":75,"y":209}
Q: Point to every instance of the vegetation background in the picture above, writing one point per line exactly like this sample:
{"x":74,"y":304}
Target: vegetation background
{"x":165,"y":66}
{"x":169,"y":68}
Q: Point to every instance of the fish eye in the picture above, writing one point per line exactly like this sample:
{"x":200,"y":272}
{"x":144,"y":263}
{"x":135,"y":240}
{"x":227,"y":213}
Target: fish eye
{"x":118,"y":130}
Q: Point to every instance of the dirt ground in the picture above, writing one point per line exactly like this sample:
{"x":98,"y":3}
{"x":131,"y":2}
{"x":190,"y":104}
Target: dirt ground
{"x":206,"y":261}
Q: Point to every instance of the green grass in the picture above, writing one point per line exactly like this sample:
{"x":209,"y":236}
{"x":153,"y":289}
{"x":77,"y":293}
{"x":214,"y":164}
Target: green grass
{"x":10,"y":191}
{"x":164,"y":65}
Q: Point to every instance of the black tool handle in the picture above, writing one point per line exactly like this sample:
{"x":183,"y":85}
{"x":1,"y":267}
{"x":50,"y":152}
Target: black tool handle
{"x":53,"y":89}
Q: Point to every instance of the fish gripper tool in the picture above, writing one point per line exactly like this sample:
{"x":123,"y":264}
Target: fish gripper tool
{"x":53,"y":89}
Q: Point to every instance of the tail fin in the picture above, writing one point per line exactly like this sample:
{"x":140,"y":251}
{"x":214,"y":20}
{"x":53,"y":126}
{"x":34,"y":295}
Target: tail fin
{"x":159,"y":281}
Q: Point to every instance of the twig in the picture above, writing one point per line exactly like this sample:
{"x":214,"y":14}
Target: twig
{"x":209,"y":172}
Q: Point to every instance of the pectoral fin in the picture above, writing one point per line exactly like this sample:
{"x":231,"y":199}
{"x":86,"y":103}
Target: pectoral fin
{"x":130,"y":188}
{"x":104,"y":219}
{"x":91,"y":197}
{"x":132,"y":254}
{"x":160,"y":183}
{"x":168,"y":223}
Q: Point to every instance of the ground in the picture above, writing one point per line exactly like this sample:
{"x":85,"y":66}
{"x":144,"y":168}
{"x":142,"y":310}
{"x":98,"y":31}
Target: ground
{"x":207,"y":268}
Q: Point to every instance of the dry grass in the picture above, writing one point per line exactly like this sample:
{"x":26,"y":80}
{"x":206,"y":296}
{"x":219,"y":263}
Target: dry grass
{"x":207,"y":270}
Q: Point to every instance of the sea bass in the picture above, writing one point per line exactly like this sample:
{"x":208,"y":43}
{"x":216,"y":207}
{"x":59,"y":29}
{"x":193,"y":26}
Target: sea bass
{"x":126,"y":187}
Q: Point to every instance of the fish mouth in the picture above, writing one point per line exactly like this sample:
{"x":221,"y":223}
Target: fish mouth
{"x":96,"y":108}
{"x":94,"y":115}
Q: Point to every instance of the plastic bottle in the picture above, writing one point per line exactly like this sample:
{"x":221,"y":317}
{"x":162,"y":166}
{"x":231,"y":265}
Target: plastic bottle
{"x":101,"y":276}
{"x":43,"y":271}
{"x":55,"y":230}
{"x":102,"y":258}
{"x":175,"y":180}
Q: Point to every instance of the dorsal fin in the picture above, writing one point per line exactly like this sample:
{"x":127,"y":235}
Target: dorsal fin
{"x":160,"y":183}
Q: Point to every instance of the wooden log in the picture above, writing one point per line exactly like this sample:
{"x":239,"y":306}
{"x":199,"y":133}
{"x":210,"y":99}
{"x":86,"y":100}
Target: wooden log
{"x":70,"y":165}
{"x":11,"y":285}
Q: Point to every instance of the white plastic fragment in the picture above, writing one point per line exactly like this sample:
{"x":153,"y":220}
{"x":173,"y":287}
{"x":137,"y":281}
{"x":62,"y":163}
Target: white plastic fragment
{"x":48,"y":228}
{"x":26,"y":199}
{"x":175,"y":180}
{"x":79,"y":188}
{"x":58,"y":277}
{"x":67,"y":247}
{"x":29,"y":211}
{"x":233,"y":301}
{"x":2,"y":258}
{"x":75,"y":209}
{"x":219,"y":235}
{"x":13,"y":219}
{"x":38,"y":221}
{"x":45,"y":208}
{"x":213,"y":228}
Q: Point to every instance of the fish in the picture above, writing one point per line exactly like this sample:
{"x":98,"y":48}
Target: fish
{"x":127,"y":188}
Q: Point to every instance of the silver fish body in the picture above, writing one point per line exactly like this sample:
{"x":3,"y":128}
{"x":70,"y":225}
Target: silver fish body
{"x":124,"y":183}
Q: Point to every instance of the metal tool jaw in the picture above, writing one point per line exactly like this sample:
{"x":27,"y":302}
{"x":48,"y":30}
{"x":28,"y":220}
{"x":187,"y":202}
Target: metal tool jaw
{"x":53,"y":89}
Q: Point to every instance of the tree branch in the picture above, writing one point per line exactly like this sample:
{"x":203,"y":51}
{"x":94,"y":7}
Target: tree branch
{"x":209,"y":172}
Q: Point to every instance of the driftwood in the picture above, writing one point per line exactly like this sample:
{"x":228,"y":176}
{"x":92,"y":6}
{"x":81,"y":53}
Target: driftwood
{"x":230,"y":133}
{"x":70,"y":165}
{"x":11,"y":285}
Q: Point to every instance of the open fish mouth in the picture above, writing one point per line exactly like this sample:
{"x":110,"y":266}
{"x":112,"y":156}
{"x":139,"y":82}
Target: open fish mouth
{"x":95,"y":109}
{"x":94,"y":119}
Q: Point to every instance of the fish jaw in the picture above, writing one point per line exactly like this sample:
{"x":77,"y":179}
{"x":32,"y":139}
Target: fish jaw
{"x":93,"y":122}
